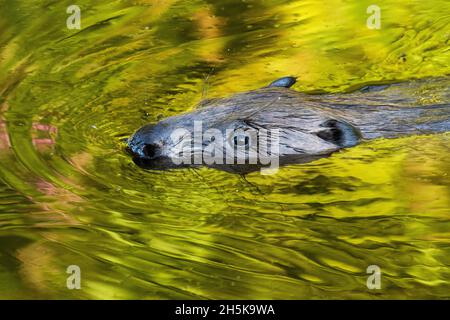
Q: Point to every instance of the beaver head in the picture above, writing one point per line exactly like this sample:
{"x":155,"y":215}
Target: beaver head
{"x":273,"y":121}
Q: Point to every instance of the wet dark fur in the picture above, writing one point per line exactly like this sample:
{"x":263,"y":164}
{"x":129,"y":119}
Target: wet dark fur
{"x":311,"y":126}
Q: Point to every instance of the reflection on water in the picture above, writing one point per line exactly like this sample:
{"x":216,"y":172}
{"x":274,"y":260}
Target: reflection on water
{"x":69,"y":195}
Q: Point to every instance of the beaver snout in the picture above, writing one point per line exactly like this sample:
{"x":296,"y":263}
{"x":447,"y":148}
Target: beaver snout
{"x":145,"y":143}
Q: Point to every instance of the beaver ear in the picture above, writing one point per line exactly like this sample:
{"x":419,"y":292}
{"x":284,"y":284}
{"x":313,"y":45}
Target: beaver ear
{"x":285,"y":82}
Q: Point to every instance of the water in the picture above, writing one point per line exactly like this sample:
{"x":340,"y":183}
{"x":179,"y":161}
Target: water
{"x":70,"y":195}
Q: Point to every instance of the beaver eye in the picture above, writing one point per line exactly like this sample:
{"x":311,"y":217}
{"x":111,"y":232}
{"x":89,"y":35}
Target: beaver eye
{"x":339,"y":132}
{"x":331,"y":135}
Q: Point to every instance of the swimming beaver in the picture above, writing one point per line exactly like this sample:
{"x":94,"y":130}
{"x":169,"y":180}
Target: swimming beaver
{"x":308,"y":126}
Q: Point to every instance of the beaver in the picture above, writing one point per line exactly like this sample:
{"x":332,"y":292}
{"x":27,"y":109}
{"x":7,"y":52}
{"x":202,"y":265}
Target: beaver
{"x":308,"y":126}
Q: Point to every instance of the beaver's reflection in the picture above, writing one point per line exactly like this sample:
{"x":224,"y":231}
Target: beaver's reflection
{"x":164,"y":163}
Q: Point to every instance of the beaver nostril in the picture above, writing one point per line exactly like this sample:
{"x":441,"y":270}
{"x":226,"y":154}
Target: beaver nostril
{"x":150,"y":150}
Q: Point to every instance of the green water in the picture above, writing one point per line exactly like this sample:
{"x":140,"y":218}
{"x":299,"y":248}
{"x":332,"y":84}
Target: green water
{"x":69,"y":195}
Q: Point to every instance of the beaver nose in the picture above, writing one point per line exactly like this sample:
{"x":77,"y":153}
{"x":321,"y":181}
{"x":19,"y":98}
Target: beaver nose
{"x":151,"y":150}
